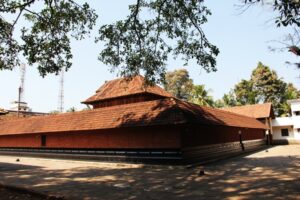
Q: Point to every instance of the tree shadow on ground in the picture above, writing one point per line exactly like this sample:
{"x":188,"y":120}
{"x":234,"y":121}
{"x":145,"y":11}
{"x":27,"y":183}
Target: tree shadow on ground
{"x":12,"y":167}
{"x":275,"y":177}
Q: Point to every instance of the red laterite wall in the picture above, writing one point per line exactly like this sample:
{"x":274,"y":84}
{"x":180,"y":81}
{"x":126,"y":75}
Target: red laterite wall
{"x":140,"y":137}
{"x":25,"y":140}
{"x":205,"y":135}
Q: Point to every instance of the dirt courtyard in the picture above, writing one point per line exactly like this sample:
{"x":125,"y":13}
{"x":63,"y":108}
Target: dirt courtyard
{"x":272,"y":174}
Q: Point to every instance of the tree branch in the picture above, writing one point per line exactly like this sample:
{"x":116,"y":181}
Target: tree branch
{"x":71,"y":1}
{"x":192,"y":21}
{"x":16,"y":20}
{"x":34,"y":13}
{"x":20,"y":6}
{"x":135,"y":21}
{"x":158,"y":23}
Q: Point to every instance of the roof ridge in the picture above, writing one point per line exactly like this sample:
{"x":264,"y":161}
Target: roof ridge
{"x":115,"y":89}
{"x":267,"y":103}
{"x":260,"y":110}
{"x":232,"y":113}
{"x":156,"y":112}
{"x":115,"y":80}
{"x":87,"y":111}
{"x":216,"y":109}
{"x":206,"y":108}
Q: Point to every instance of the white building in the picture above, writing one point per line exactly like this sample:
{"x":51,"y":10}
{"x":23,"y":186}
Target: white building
{"x":21,"y":106}
{"x":286,"y":130}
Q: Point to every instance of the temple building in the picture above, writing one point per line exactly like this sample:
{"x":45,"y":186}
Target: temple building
{"x":132,"y":121}
{"x":263,"y":112}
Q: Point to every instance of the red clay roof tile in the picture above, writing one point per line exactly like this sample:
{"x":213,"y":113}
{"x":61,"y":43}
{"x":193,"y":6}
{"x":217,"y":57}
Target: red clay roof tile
{"x":256,"y":111}
{"x":159,"y":112}
{"x":122,"y":87}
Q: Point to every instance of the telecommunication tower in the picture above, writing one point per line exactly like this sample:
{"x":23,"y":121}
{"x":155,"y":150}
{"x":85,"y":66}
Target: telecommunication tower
{"x":60,"y":106}
{"x":20,"y":105}
{"x":22,"y":82}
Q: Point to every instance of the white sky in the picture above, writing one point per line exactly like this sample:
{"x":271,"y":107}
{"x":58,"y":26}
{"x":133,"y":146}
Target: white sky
{"x":242,"y":39}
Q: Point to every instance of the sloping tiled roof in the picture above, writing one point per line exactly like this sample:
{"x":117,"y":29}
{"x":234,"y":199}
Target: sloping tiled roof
{"x":256,"y":111}
{"x":212,"y":116}
{"x":159,"y":112}
{"x":8,"y":117}
{"x":123,"y":87}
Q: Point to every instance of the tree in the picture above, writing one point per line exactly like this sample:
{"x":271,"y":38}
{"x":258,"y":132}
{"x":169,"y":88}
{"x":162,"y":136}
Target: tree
{"x":291,"y":92}
{"x":140,"y":43}
{"x":264,"y":86}
{"x":54,"y":112}
{"x":219,"y":103}
{"x":46,"y":41}
{"x":288,"y":11}
{"x":179,"y":84}
{"x":287,"y":14}
{"x":244,"y":93}
{"x":72,"y":109}
{"x":229,"y":99}
{"x":268,"y":86}
{"x":199,"y":95}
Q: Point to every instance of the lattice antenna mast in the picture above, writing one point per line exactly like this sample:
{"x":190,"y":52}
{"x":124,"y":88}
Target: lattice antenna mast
{"x":22,"y":81}
{"x":60,"y":106}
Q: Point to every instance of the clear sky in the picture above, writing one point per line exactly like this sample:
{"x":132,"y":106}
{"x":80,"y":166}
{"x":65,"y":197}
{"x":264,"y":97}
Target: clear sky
{"x":243,"y":40}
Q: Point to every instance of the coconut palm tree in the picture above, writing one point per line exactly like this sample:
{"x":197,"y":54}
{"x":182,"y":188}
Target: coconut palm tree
{"x":200,"y":96}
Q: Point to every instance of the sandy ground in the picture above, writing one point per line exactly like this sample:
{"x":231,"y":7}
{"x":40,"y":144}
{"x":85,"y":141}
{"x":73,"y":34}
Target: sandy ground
{"x":272,"y":174}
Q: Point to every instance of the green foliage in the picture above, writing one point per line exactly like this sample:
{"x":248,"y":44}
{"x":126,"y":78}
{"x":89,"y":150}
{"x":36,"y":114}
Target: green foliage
{"x":290,"y":93}
{"x":54,"y":112}
{"x":199,"y":95}
{"x":244,"y":93}
{"x":219,"y":103}
{"x":268,"y":86}
{"x":179,"y":84}
{"x":264,"y":86}
{"x":46,"y":42}
{"x":72,"y":109}
{"x":139,"y":45}
{"x":288,"y":11}
{"x":287,"y":14}
{"x":134,"y":45}
{"x":9,"y":47}
{"x":228,"y":100}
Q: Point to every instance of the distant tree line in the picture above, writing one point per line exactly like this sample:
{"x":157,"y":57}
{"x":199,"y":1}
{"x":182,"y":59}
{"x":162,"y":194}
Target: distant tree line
{"x":180,"y":84}
{"x":263,"y":86}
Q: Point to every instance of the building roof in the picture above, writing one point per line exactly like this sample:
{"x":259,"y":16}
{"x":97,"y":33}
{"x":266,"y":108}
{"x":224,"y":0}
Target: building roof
{"x":256,"y":110}
{"x":167,"y":111}
{"x":125,"y":87}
